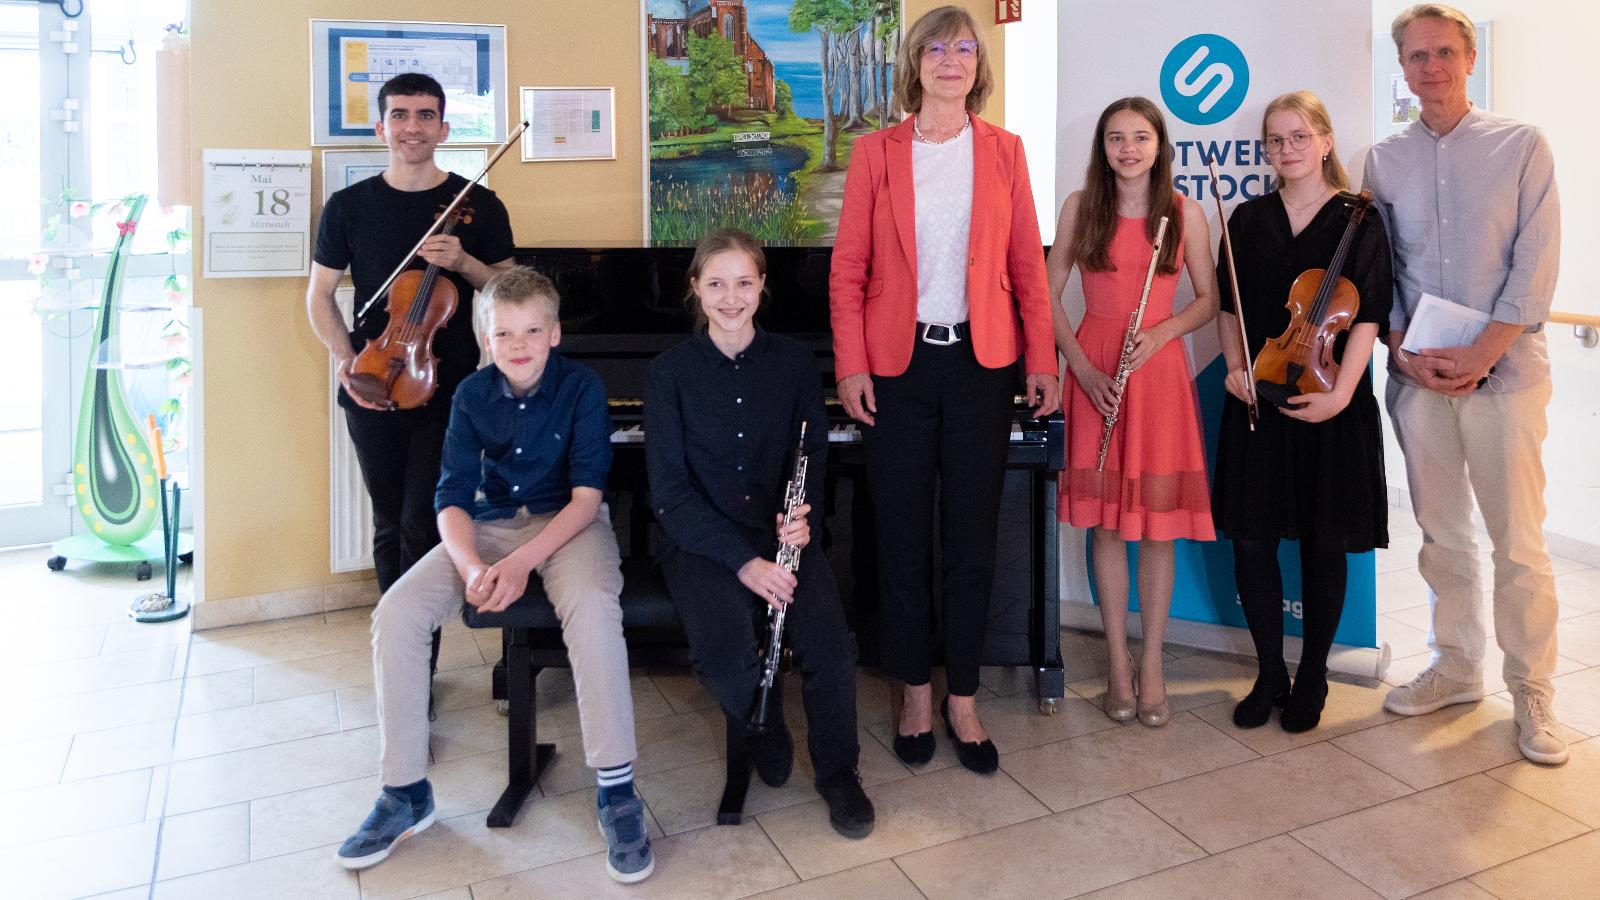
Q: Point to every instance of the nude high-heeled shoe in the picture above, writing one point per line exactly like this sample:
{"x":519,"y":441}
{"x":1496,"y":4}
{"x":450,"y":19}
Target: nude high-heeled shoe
{"x":1121,"y":709}
{"x":1153,"y":715}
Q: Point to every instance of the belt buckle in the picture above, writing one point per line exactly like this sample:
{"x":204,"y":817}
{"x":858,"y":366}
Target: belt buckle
{"x":946,"y":334}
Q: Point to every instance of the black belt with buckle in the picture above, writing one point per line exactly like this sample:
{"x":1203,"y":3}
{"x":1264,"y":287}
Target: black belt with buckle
{"x":942,"y":334}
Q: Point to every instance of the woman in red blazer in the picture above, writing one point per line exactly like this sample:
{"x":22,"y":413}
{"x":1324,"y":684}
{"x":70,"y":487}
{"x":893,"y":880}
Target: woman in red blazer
{"x":938,"y":287}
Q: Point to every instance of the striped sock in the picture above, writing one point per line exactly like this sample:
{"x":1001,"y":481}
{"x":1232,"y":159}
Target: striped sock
{"x":616,"y":784}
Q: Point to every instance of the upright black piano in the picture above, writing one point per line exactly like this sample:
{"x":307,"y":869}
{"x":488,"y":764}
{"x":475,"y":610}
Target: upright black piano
{"x":620,"y":306}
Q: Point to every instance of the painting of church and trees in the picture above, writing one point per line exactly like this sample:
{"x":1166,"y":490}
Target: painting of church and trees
{"x":753,"y":107}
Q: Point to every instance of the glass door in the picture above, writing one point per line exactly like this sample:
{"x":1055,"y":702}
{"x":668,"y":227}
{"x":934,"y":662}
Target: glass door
{"x":67,"y":161}
{"x":35,"y":405}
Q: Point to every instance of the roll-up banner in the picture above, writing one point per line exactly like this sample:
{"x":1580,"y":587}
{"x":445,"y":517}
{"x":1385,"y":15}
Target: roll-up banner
{"x":1212,"y":70}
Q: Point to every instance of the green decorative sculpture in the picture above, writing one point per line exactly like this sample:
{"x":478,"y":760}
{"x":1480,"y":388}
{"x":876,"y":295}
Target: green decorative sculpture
{"x":114,"y":476}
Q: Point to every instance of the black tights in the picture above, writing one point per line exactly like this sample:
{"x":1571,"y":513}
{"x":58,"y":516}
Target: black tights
{"x":1322,"y":575}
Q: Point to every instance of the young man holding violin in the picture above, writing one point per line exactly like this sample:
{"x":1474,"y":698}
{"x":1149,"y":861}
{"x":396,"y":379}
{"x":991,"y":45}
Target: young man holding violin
{"x":369,"y":228}
{"x":1471,"y":200}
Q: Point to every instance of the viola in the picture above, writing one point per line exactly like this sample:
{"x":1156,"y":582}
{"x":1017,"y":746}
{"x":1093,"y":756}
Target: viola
{"x":1321,"y":307}
{"x":398,"y":369}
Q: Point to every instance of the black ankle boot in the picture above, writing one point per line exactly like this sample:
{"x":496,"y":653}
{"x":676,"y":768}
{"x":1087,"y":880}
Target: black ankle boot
{"x":849,"y":810}
{"x":1271,"y":689}
{"x":1310,"y":694}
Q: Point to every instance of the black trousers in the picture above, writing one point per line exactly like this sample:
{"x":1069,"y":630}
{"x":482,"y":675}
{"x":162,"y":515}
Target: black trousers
{"x":399,"y":453}
{"x":941,"y":434}
{"x":1323,"y":573}
{"x":720,"y":615}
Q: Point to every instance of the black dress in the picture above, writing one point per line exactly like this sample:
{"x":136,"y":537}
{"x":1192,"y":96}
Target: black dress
{"x":1319,"y":483}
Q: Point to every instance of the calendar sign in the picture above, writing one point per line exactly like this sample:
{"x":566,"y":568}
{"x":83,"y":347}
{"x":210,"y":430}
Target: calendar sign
{"x":257,"y":213}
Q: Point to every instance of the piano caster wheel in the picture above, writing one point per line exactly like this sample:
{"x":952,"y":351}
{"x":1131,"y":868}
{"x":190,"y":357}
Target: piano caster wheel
{"x":503,"y":707}
{"x":1047,"y":706}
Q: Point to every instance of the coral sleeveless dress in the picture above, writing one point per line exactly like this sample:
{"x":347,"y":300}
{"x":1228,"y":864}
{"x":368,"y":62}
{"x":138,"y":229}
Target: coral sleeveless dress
{"x":1154,"y":483}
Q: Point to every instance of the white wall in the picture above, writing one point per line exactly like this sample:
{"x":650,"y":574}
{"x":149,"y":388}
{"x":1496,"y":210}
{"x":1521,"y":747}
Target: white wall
{"x":1031,"y":103}
{"x":1540,"y":73}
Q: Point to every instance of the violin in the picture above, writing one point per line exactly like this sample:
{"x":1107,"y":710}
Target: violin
{"x":398,"y":369}
{"x":1301,"y":360}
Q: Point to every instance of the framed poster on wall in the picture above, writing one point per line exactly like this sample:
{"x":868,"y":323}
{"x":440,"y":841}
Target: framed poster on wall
{"x":351,"y":60}
{"x":342,"y":168}
{"x":568,"y":123}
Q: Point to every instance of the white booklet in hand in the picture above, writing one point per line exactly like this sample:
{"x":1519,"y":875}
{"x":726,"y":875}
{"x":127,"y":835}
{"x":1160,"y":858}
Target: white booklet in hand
{"x":1440,"y":323}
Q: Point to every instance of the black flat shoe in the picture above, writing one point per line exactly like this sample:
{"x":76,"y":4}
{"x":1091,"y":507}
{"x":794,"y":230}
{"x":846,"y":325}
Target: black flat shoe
{"x":914,"y":749}
{"x":772,"y":753}
{"x":1304,"y":709}
{"x":849,"y":811}
{"x":1271,"y":690}
{"x":978,"y":756}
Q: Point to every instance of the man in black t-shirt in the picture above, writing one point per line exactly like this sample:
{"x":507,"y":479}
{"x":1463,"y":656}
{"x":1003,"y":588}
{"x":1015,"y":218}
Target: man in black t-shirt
{"x":369,"y":227}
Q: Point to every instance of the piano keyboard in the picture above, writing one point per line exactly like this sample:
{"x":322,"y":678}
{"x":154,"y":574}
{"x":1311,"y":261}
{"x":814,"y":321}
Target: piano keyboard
{"x":837,"y":434}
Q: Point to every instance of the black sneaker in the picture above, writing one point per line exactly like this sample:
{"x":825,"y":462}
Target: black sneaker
{"x":772,"y":753}
{"x":849,"y":811}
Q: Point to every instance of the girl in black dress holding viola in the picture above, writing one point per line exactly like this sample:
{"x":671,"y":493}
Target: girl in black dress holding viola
{"x":1313,"y":474}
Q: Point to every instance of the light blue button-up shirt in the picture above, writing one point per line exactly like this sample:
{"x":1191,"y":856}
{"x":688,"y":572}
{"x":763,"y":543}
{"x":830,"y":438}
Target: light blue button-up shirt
{"x":1475,"y":219}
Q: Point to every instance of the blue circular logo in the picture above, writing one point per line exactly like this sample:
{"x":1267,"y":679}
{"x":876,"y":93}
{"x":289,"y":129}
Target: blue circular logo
{"x":1204,"y":79}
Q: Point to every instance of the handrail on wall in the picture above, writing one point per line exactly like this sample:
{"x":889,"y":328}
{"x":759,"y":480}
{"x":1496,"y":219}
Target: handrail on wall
{"x":1585,"y":328}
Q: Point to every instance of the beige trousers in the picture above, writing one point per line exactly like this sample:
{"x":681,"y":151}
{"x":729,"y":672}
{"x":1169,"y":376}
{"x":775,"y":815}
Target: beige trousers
{"x":583,"y":580}
{"x":1489,"y":443}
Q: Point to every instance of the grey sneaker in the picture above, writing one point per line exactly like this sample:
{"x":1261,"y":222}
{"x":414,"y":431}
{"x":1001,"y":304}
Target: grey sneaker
{"x":1429,"y":691}
{"x":628,"y":856}
{"x":1538,"y":732}
{"x":393,"y":819}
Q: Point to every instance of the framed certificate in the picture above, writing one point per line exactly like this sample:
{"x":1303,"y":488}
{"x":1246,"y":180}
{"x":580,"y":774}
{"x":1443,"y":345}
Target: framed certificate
{"x":568,"y":123}
{"x":351,"y":60}
{"x":342,"y":168}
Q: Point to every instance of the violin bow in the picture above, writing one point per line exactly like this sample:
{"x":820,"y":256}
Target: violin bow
{"x":1233,"y":282}
{"x":439,"y":222}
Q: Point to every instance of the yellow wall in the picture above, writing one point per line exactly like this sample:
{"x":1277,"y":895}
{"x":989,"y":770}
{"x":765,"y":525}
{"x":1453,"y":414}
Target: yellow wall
{"x":266,"y":422}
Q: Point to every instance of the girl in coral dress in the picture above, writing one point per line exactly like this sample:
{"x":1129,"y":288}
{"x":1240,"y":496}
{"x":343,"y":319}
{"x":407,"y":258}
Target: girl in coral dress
{"x":1153,"y":488}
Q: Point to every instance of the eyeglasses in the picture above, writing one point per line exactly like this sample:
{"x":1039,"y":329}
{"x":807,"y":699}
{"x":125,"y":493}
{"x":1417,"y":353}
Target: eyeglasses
{"x":1419,"y":56}
{"x":1298,"y":140}
{"x":965,"y":50}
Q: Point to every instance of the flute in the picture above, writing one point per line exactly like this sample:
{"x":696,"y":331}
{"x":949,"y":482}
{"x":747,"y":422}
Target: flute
{"x":794,"y":495}
{"x":1135,"y":319}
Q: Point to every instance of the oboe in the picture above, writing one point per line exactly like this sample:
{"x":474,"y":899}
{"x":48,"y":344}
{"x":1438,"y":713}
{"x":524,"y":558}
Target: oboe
{"x":1135,"y":319}
{"x":794,"y":496}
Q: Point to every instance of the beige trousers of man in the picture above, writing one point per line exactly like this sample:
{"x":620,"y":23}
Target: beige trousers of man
{"x":583,"y":580}
{"x":1490,"y":443}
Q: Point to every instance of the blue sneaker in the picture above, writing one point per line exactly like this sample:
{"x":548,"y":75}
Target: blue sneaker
{"x":394,"y":818}
{"x":628,"y":856}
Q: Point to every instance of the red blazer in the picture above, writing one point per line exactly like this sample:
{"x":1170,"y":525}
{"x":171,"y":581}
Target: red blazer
{"x":873,"y":284}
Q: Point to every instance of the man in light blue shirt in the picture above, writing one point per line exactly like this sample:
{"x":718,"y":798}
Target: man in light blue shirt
{"x":1471,"y":204}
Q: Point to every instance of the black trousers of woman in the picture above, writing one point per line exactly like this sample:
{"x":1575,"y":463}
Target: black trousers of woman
{"x":719,"y":614}
{"x":1322,"y":574}
{"x":940,"y":438}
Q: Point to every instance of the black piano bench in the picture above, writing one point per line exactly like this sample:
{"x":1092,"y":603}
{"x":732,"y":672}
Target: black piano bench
{"x":531,"y":639}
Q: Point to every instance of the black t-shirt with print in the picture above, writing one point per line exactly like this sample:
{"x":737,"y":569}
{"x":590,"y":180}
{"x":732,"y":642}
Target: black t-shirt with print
{"x":369,"y":227}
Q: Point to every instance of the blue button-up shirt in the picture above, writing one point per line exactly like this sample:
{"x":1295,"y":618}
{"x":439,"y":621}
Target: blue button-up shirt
{"x":1475,"y":219}
{"x":503,"y":453}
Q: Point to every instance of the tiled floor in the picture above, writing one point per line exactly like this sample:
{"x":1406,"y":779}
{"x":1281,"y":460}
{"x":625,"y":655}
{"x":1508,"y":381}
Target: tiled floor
{"x":146,"y":761}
